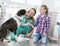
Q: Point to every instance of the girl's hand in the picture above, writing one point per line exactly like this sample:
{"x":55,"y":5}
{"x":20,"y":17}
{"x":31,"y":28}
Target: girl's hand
{"x":44,"y":34}
{"x":29,"y":24}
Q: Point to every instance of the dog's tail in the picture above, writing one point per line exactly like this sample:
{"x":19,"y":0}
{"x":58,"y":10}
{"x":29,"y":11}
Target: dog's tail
{"x":2,"y":32}
{"x":2,"y":27}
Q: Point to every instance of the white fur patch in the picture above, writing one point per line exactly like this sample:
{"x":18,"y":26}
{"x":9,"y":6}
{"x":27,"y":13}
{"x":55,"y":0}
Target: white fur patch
{"x":17,"y":21}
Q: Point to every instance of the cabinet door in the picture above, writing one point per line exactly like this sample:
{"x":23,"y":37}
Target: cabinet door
{"x":0,"y":11}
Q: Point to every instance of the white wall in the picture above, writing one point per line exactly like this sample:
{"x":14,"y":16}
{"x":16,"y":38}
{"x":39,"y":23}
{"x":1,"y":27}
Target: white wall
{"x":15,"y":5}
{"x":53,"y":5}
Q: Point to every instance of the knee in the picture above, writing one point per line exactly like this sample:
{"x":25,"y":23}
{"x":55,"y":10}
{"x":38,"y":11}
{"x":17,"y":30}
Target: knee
{"x":35,"y":40}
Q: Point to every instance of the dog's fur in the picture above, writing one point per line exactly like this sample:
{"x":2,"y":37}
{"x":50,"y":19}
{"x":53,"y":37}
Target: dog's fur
{"x":10,"y":25}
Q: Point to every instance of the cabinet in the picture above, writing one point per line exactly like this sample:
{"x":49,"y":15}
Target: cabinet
{"x":54,"y":18}
{"x":2,"y":14}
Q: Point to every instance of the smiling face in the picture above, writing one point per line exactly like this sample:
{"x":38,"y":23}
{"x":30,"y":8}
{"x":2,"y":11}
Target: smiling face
{"x":31,"y":12}
{"x":44,"y":10}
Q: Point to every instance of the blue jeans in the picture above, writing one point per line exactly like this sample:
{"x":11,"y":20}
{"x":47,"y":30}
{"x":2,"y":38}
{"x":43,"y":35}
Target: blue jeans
{"x":38,"y":36}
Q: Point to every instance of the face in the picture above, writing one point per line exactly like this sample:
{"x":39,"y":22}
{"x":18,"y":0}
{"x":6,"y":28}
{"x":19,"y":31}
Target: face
{"x":42,"y":10}
{"x":31,"y":13}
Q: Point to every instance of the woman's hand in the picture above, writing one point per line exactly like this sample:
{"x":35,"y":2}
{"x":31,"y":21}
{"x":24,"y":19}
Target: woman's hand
{"x":21,"y":23}
{"x":28,"y":35}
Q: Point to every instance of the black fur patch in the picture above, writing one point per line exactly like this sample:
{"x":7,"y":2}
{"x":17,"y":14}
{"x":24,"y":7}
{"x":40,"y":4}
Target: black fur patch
{"x":10,"y":25}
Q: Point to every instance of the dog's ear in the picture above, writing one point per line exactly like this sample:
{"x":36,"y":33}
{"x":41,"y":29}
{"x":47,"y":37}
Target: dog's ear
{"x":21,"y":12}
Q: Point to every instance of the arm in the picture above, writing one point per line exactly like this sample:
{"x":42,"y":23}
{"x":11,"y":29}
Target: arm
{"x":47,"y":25}
{"x":30,"y":34}
{"x":36,"y":22}
{"x":29,"y":22}
{"x":24,"y":23}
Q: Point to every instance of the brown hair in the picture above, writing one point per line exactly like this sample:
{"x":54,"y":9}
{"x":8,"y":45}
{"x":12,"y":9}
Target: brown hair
{"x":32,"y":18}
{"x":46,"y":8}
{"x":34,"y":13}
{"x":33,"y":9}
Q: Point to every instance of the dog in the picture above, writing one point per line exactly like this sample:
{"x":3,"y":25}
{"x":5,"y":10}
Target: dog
{"x":12,"y":24}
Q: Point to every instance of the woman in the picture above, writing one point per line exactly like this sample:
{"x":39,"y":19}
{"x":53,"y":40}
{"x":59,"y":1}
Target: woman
{"x":24,"y":27}
{"x":27,"y":19}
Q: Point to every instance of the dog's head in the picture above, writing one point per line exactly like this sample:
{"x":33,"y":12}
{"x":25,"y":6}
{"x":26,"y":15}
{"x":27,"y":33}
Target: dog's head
{"x":21,"y":12}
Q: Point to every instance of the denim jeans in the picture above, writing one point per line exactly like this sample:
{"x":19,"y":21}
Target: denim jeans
{"x":38,"y":36}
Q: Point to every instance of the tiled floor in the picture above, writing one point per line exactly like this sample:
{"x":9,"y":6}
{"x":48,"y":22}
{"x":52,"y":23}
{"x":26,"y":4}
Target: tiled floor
{"x":23,"y":41}
{"x":26,"y":43}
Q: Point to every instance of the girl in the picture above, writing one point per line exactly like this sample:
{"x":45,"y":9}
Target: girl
{"x":43,"y":25}
{"x":28,"y":19}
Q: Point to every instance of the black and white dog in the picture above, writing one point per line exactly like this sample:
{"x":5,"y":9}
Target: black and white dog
{"x":11,"y":24}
